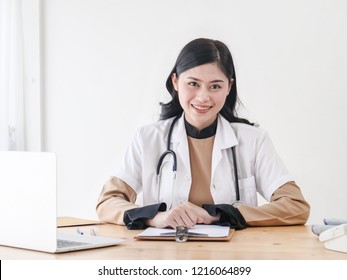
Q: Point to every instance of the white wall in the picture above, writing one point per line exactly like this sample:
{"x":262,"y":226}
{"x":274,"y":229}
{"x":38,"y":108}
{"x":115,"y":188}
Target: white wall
{"x":32,"y":74}
{"x":106,"y":62}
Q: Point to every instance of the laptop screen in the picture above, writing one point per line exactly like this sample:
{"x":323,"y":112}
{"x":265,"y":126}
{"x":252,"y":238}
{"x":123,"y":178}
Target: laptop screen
{"x":28,"y":200}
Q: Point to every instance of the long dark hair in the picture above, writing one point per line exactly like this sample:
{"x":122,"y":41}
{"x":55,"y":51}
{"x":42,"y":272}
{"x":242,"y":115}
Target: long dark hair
{"x":198,"y":52}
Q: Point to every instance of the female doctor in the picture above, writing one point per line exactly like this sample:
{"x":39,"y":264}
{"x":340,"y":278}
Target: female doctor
{"x":200,"y":163}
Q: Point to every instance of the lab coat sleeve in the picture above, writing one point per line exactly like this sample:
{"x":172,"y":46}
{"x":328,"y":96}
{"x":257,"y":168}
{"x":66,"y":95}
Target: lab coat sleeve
{"x":287,"y":207}
{"x":270,"y":171}
{"x":116,"y":197}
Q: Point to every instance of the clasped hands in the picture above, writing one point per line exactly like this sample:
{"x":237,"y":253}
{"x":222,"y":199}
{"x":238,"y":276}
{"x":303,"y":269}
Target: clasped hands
{"x":186,"y":214}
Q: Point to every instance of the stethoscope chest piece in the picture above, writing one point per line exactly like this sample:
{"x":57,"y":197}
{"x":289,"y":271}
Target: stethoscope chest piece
{"x":181,"y":234}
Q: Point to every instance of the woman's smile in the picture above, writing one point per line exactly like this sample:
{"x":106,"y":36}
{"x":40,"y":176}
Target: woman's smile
{"x":201,"y":108}
{"x":202,"y":91}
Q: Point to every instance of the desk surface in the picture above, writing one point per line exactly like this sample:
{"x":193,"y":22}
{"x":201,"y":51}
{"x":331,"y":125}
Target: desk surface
{"x":269,"y":243}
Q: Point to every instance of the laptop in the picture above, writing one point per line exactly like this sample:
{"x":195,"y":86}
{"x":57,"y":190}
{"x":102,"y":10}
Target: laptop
{"x":28,"y":206}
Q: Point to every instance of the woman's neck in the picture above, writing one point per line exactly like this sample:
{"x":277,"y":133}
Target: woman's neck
{"x":202,"y":133}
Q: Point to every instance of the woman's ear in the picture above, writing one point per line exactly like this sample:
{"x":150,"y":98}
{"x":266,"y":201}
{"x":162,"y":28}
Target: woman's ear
{"x":231,"y":83}
{"x":174,"y":81}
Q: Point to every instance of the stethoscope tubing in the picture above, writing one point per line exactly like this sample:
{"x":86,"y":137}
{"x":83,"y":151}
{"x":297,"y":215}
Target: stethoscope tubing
{"x":174,"y":166}
{"x":236,"y":176}
{"x":168,"y":150}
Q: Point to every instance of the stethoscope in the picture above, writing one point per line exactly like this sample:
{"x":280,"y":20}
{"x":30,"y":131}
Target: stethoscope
{"x":169,"y":151}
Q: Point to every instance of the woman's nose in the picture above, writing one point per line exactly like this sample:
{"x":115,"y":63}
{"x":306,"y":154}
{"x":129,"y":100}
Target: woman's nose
{"x":203,"y":95}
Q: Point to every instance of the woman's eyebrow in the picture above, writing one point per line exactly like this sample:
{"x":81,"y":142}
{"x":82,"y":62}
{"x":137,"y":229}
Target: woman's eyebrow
{"x":198,"y":80}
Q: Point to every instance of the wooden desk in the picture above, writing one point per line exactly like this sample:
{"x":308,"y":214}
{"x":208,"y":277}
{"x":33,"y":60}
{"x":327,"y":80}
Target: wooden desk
{"x":269,"y":243}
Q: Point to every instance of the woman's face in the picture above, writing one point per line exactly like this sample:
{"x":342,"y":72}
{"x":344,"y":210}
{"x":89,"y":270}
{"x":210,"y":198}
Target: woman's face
{"x":202,"y":91}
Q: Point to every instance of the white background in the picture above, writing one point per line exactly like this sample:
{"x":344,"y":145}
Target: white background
{"x":105,"y":63}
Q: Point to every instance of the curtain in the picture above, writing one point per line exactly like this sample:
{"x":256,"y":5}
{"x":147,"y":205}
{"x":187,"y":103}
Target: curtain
{"x":11,"y":76}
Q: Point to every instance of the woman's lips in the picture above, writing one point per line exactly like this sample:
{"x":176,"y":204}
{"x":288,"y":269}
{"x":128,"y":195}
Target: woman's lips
{"x":202,"y":108}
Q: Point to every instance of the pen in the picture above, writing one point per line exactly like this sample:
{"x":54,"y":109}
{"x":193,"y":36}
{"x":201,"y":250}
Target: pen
{"x":81,"y":232}
{"x":92,"y":232}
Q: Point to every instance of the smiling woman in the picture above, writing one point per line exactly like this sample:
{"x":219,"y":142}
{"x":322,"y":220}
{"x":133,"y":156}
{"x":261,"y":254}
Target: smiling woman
{"x":202,"y":92}
{"x":203,"y":135}
{"x":207,"y":54}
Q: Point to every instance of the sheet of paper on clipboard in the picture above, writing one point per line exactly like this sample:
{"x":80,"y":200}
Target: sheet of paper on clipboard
{"x":198,"y":232}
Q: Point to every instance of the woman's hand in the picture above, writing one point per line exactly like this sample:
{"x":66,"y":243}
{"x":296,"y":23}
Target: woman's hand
{"x":185,"y":214}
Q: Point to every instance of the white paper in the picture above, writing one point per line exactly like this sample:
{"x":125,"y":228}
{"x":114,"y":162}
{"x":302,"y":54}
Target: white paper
{"x":197,"y":231}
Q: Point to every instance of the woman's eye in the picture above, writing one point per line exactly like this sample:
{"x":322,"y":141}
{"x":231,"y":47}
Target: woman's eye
{"x":193,"y":84}
{"x":215,"y":87}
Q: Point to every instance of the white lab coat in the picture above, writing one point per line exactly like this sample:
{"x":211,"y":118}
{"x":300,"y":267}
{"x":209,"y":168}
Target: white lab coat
{"x":259,"y":167}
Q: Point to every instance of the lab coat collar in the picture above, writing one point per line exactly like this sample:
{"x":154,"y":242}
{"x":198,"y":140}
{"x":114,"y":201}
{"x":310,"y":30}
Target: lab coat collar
{"x":225,"y":136}
{"x":224,"y":139}
{"x":179,"y":133}
{"x":179,"y":139}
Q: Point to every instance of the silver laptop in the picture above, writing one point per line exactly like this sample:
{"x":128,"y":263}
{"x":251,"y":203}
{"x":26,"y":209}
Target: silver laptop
{"x":28,"y":206}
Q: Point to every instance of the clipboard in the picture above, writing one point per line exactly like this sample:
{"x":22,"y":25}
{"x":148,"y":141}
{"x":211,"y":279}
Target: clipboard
{"x":195,"y":237}
{"x":71,"y":222}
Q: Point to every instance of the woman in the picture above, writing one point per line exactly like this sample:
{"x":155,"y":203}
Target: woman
{"x":210,"y":147}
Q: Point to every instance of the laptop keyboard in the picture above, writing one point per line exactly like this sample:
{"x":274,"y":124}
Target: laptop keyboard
{"x":61,"y":243}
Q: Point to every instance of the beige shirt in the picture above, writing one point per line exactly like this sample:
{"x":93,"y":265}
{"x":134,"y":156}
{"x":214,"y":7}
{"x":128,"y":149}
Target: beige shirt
{"x":200,"y":152}
{"x":286,"y":207}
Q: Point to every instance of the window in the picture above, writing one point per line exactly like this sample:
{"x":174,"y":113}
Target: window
{"x":20,"y":81}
